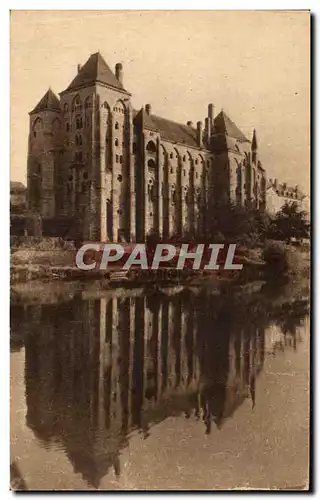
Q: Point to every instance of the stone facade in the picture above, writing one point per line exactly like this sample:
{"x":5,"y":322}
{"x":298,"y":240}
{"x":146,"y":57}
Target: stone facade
{"x":121,"y":174}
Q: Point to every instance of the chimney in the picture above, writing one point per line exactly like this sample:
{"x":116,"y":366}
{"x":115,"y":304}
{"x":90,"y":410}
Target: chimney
{"x":148,"y":109}
{"x":189,"y":123}
{"x":119,"y":72}
{"x":211,"y":111}
{"x":79,"y":68}
{"x":208,"y":128}
{"x":199,"y":133}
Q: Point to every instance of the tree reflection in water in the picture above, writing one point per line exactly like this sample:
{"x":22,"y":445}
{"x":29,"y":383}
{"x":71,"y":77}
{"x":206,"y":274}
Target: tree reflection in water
{"x":98,"y":369}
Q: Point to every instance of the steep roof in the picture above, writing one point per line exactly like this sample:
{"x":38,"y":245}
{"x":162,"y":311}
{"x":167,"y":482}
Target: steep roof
{"x":95,"y":70}
{"x":254,"y":141}
{"x":48,"y":101}
{"x":169,"y":130}
{"x":224,"y":125}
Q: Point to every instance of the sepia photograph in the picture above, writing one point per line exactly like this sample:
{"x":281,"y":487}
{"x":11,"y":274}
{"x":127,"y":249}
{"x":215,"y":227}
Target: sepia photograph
{"x":160,"y":225}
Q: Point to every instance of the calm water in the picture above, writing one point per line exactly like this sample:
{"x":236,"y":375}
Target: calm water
{"x":175,"y":390}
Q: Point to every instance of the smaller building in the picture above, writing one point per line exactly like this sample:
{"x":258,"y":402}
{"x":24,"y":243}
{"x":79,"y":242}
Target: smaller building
{"x":18,"y":194}
{"x":278,"y":195}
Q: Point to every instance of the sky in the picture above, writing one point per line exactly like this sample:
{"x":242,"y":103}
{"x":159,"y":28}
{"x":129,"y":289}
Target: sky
{"x":255,"y":65}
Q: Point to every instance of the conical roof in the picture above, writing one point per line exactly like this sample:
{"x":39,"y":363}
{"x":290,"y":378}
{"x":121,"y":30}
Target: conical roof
{"x":254,"y":141}
{"x":93,"y":71}
{"x":48,"y":101}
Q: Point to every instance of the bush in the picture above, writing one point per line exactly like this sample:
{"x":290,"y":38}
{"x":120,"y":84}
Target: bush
{"x":280,"y":259}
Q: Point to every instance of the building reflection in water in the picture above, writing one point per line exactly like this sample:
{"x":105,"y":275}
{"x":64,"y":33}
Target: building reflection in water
{"x":96,"y":370}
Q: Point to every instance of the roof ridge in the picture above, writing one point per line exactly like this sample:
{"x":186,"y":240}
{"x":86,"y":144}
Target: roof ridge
{"x":95,"y":69}
{"x":48,"y":101}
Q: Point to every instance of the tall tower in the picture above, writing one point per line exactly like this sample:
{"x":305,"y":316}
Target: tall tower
{"x":44,"y":155}
{"x":98,"y":161}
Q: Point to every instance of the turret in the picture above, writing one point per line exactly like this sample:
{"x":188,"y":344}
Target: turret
{"x":254,"y":147}
{"x":44,"y":143}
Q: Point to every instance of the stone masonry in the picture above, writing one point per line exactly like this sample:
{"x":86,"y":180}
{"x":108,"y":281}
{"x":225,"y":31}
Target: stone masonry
{"x":120,"y":174}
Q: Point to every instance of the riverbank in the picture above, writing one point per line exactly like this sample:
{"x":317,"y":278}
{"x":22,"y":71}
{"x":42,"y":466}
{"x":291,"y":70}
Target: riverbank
{"x":42,"y":263}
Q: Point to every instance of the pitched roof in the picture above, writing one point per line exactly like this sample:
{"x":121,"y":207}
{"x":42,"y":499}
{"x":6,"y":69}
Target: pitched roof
{"x":93,"y":71}
{"x":48,"y":101}
{"x":169,"y":130}
{"x":224,"y":125}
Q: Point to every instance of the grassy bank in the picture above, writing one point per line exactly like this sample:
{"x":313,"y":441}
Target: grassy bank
{"x":274,"y":260}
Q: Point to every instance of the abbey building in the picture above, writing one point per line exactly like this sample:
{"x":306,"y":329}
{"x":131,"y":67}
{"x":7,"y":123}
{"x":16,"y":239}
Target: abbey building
{"x":117,"y":174}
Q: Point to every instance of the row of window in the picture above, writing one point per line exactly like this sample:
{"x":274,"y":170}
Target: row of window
{"x":77,"y":104}
{"x":117,"y":109}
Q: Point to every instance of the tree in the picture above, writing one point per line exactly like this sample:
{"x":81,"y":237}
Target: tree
{"x":243,"y":224}
{"x":290,"y":222}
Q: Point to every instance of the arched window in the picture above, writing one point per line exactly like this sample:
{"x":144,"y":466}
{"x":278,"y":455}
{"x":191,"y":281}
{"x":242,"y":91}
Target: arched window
{"x":134,"y":148}
{"x":116,"y":142}
{"x":76,"y":104}
{"x":56,"y":124}
{"x":117,"y":158}
{"x":151,"y":147}
{"x":171,"y":155}
{"x":37,"y":126}
{"x":116,"y":126}
{"x":121,"y":159}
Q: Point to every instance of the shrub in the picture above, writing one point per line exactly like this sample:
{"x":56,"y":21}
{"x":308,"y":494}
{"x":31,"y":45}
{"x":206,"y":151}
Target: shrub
{"x":280,"y":259}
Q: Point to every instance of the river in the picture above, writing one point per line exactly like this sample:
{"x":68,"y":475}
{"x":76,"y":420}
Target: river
{"x":179,"y":389}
